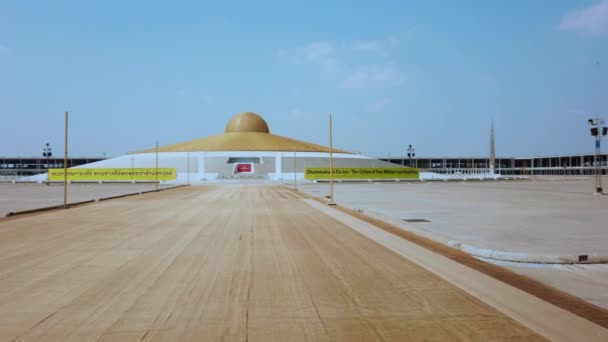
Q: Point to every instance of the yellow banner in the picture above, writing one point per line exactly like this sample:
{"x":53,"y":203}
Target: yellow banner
{"x":113,"y":174}
{"x":314,"y":173}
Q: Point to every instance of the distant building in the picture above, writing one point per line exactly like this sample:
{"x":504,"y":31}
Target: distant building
{"x":17,"y":167}
{"x":574,"y":164}
{"x":570,"y":164}
{"x":247,"y":149}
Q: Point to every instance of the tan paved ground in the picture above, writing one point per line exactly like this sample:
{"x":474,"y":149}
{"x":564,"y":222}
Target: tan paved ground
{"x":234,"y":262}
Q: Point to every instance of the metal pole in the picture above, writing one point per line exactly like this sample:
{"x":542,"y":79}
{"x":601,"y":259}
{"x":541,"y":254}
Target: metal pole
{"x":295,"y":183}
{"x":331,"y":162}
{"x":157,"y":165}
{"x":598,"y":175}
{"x":132,"y":166}
{"x":65,"y":165}
{"x":46,"y":152}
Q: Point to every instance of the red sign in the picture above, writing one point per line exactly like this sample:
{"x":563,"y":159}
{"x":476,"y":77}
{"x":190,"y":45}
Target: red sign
{"x":243,"y":168}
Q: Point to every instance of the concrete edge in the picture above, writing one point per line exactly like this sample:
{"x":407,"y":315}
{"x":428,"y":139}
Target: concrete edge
{"x":54,"y":207}
{"x":531,"y":258}
{"x":76,"y":204}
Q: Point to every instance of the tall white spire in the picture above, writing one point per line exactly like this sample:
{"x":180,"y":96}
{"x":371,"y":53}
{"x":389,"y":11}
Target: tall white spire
{"x":492,"y":150}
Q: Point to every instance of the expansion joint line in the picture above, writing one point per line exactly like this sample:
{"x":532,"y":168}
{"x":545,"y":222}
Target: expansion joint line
{"x":306,"y":286}
{"x":250,"y":285}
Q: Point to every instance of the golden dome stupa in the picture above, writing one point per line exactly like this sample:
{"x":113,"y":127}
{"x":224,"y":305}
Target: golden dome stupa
{"x":247,"y":122}
{"x":246,"y":131}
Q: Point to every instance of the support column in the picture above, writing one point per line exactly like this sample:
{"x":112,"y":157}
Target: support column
{"x":201,"y":166}
{"x":278,"y":166}
{"x":532,"y":171}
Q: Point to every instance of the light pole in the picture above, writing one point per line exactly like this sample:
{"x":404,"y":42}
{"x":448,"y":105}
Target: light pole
{"x":47,"y":153}
{"x":411,"y":153}
{"x":332,"y":200}
{"x":156,"y":166}
{"x":295,"y":181}
{"x":598,"y":130}
{"x":65,"y":165}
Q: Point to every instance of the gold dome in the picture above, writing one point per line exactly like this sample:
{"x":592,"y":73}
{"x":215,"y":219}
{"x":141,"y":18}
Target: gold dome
{"x":247,"y":122}
{"x":245,"y":132}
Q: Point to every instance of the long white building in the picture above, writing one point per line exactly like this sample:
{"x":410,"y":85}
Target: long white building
{"x":246,"y":149}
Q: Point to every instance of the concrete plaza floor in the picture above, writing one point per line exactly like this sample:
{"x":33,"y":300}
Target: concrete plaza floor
{"x":24,"y":196}
{"x":240,"y":263}
{"x":544,"y":217}
{"x":526,"y":220}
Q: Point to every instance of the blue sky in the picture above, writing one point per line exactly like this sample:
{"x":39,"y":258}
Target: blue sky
{"x":429,"y":73}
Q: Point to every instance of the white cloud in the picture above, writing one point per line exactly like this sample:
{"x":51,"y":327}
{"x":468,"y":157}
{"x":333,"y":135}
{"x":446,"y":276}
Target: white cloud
{"x":384,"y":46}
{"x":396,"y":40}
{"x":207,"y":99}
{"x":592,"y":20}
{"x":380,"y":105}
{"x":371,"y":47}
{"x":374,"y":75}
{"x":334,"y":61}
{"x":319,"y":53}
{"x":283,"y":53}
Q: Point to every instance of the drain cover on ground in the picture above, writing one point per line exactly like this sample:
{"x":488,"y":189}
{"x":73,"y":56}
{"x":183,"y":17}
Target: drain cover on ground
{"x":415,"y":220}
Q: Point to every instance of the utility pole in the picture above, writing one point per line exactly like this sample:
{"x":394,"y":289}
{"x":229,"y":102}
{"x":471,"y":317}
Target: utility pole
{"x":156,"y":165}
{"x":492,"y":150}
{"x":47,"y":153}
{"x":598,"y":130}
{"x":295,"y":182}
{"x":65,"y":165}
{"x":410,"y":154}
{"x":331,"y":164}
